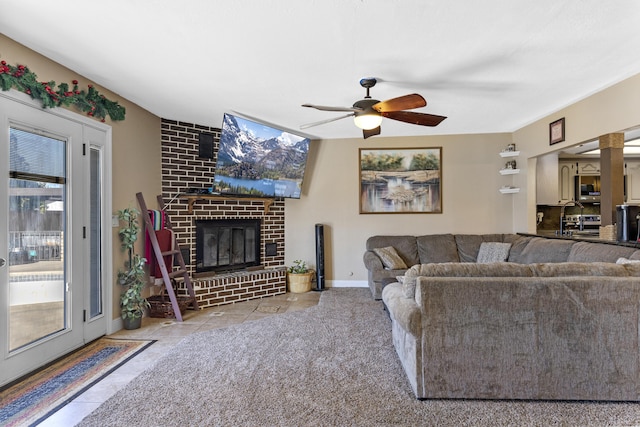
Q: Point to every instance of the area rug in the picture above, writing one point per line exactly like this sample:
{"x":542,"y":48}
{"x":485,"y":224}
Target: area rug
{"x":38,"y":396}
{"x":329,"y":365}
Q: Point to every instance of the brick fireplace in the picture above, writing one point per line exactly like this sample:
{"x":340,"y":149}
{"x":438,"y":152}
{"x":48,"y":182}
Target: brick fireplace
{"x":183,"y":172}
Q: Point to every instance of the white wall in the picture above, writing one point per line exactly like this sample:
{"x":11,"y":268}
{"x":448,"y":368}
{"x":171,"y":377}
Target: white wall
{"x":470,"y":196}
{"x":611,"y":110}
{"x":471,"y":201}
{"x":135,"y":141}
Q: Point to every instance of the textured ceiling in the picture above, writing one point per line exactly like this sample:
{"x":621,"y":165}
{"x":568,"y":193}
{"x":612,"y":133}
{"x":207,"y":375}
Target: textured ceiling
{"x":490,"y":66}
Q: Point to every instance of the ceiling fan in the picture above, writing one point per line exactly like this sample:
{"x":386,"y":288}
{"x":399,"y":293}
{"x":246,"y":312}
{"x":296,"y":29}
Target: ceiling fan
{"x":368,"y":113}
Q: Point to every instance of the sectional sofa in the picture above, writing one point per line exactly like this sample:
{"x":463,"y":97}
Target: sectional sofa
{"x":549,"y":319}
{"x":437,"y":248}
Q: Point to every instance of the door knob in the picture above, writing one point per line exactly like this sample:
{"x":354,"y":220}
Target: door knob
{"x":2,"y":262}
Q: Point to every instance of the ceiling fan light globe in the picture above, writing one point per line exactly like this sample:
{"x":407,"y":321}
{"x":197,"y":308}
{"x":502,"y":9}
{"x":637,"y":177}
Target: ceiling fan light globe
{"x":367,"y":121}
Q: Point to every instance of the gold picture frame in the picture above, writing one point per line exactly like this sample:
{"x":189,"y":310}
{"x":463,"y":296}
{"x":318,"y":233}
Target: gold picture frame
{"x":400,"y":180}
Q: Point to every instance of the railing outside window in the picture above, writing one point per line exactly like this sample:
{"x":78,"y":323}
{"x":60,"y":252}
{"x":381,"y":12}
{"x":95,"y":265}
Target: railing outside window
{"x":29,"y":246}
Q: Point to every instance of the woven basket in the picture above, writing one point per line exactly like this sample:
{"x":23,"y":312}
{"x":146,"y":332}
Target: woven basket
{"x":160,"y":305}
{"x":300,"y":283}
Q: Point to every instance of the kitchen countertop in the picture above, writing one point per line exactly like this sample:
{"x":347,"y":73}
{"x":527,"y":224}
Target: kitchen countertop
{"x":551,"y":234}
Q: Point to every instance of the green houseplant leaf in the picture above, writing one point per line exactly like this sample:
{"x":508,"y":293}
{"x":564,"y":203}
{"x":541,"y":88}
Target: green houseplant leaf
{"x":298,"y":267}
{"x":132,"y":277}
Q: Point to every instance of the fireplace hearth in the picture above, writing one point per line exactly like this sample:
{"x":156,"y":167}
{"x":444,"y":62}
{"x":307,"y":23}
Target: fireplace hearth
{"x":227,"y":245}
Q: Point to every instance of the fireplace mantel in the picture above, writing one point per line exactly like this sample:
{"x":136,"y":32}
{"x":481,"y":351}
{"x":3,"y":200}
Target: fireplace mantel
{"x":192,"y":198}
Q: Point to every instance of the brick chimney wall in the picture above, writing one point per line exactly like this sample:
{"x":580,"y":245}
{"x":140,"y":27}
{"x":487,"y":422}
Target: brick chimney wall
{"x":182,"y":170}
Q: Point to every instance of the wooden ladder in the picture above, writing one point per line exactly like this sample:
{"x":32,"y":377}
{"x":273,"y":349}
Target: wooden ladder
{"x":167,"y":274}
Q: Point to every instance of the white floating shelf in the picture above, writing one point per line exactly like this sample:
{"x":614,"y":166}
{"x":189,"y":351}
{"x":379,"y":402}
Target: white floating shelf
{"x":509,"y":190}
{"x":509,"y":171}
{"x":509,"y":153}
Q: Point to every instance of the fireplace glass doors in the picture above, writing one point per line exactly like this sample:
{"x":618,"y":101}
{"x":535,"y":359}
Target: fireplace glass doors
{"x":224,"y":245}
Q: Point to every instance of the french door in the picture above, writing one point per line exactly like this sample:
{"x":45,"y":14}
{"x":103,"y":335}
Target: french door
{"x":53,"y":234}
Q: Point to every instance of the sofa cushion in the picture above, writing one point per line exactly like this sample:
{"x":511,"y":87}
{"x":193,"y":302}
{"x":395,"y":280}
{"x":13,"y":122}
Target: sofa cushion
{"x":390,"y":258}
{"x":470,"y":269}
{"x":590,"y":251}
{"x":437,"y":248}
{"x":517,"y":246}
{"x":511,"y":238}
{"x":631,"y":265}
{"x":461,"y":269}
{"x":493,"y":252}
{"x":539,"y":249}
{"x":633,"y":269}
{"x":469,"y":244}
{"x":567,"y":269}
{"x":406,"y":246}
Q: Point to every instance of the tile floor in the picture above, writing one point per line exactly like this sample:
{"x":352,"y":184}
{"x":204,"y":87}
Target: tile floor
{"x":168,"y":332}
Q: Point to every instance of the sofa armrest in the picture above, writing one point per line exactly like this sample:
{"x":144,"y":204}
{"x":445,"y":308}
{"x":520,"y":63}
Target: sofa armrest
{"x":372,"y":261}
{"x":402,"y":310}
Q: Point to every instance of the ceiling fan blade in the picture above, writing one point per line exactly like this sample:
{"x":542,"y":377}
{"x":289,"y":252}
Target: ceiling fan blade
{"x":325,"y":108}
{"x":321,"y":122}
{"x":414,"y":118}
{"x":371,"y":132}
{"x":407,"y":102}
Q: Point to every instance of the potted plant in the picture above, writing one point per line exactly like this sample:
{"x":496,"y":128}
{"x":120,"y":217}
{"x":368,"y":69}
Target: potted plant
{"x":299,"y":277}
{"x":132,"y":278}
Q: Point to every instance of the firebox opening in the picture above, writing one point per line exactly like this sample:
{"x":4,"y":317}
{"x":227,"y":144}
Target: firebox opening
{"x":224,"y":245}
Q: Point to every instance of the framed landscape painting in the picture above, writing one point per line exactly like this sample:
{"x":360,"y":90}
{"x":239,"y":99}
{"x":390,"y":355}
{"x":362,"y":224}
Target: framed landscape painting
{"x":401,"y":180}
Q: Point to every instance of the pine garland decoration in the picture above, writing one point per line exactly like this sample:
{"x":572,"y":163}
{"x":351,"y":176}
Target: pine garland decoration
{"x":90,"y":101}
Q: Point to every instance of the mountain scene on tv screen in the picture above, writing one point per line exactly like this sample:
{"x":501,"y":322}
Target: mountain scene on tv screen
{"x":259,"y":160}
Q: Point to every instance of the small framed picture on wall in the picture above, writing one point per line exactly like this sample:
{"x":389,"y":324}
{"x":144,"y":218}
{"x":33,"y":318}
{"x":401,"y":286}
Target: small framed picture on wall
{"x":556,"y":131}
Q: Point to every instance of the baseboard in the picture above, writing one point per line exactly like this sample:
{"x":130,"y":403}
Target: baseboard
{"x":347,"y":284}
{"x":116,"y":325}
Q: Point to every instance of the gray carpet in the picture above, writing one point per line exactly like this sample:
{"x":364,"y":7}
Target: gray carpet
{"x":329,"y":365}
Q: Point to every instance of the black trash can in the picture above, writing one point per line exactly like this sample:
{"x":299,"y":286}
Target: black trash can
{"x":627,"y":218}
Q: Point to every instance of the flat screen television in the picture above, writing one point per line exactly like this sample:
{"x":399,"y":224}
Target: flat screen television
{"x":255,"y":159}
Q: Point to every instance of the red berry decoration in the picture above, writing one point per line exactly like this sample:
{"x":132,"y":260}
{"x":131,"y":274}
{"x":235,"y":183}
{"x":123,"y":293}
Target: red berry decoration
{"x":21,"y":78}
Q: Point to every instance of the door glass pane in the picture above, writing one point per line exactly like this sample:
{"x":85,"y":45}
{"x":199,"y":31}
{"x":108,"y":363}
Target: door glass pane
{"x":37,"y":182}
{"x":95,"y":234}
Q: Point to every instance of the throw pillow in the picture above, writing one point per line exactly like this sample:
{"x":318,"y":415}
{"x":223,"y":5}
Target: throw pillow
{"x":493,"y":252}
{"x":409,"y":287}
{"x":627,"y":261}
{"x":390,"y":258}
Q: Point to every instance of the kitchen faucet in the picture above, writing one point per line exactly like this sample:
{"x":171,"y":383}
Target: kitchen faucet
{"x":562,"y":219}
